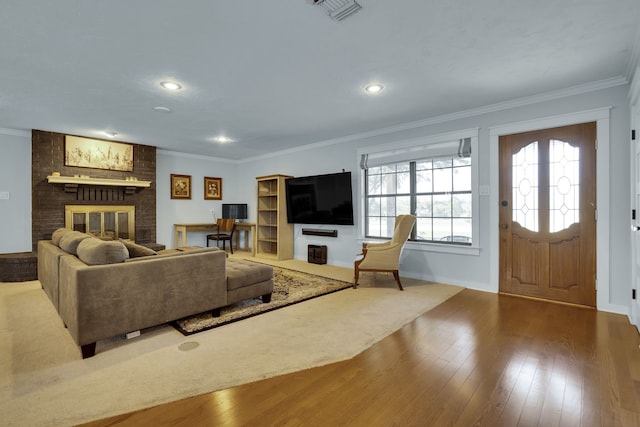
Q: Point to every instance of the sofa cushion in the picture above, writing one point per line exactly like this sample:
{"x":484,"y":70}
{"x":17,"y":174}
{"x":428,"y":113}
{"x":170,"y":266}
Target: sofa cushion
{"x":57,"y":235}
{"x":97,"y":252}
{"x":170,"y":253}
{"x":241,"y":273}
{"x":136,"y":250}
{"x":70,"y":241}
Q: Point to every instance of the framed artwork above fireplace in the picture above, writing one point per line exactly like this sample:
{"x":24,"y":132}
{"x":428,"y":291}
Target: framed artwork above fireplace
{"x":97,"y":154}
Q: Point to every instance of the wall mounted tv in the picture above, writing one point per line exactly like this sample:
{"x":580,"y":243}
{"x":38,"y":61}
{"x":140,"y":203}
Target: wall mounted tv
{"x":320,"y":199}
{"x":234,"y":210}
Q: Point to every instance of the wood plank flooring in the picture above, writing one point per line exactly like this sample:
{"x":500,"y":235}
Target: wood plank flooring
{"x":477,"y":359}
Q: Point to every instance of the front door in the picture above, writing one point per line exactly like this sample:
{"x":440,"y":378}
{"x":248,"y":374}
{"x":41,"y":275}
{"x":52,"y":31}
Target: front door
{"x":548,"y":214}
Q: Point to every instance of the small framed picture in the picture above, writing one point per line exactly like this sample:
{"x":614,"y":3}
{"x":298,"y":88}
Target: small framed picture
{"x":212,"y":188}
{"x":180,"y":186}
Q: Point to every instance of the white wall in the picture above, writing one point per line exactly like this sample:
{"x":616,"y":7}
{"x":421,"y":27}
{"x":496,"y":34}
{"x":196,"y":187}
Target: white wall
{"x":197,"y":210}
{"x":15,"y":179}
{"x":309,"y":161}
{"x":464,"y":269}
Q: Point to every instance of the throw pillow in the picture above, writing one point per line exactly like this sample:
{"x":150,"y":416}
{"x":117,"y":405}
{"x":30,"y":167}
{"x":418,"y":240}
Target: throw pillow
{"x":58,"y":234}
{"x":94,"y":251}
{"x":70,"y":241}
{"x":136,"y":250}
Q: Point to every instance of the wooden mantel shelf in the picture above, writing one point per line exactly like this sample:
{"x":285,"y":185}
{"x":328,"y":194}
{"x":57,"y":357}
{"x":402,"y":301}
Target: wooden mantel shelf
{"x":71,"y":183}
{"x":96,"y":181}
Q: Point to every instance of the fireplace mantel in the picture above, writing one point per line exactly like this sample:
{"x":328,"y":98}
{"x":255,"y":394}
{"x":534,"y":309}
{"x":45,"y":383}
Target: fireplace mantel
{"x":96,"y":181}
{"x":71,"y":183}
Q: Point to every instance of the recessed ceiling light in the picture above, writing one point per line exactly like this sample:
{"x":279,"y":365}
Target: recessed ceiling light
{"x":162,"y":109}
{"x":222,"y":138}
{"x":374,"y":88}
{"x":111,"y":134}
{"x":171,"y":85}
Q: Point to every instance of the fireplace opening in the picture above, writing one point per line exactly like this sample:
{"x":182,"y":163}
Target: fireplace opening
{"x":105,"y":222}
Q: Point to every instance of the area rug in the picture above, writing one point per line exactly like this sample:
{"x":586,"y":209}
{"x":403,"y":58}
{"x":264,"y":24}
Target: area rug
{"x":289,"y":287}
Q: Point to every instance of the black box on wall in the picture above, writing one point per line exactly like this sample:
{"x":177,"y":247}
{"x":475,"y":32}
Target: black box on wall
{"x":317,"y":254}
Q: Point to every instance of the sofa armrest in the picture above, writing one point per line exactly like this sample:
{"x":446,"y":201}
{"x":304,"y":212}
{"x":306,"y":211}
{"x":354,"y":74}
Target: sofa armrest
{"x":48,"y":269}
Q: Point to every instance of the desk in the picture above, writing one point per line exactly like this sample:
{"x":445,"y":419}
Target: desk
{"x":248,"y":228}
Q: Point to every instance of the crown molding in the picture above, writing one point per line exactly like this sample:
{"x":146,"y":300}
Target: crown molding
{"x":634,"y":57}
{"x":15,"y":132}
{"x":194,"y":156}
{"x":492,"y":108}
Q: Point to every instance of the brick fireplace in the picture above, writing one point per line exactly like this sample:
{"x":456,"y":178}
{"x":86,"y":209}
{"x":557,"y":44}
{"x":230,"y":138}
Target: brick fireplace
{"x":50,"y":200}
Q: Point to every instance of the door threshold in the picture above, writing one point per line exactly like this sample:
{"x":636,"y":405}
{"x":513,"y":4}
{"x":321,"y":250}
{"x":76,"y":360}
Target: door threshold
{"x":546,"y":300}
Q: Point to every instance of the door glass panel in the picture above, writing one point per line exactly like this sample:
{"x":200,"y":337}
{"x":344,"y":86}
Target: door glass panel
{"x":109,"y":225}
{"x":79,"y":222}
{"x":95,"y":219}
{"x":122,"y":227}
{"x":525,"y":186}
{"x":564,"y":185}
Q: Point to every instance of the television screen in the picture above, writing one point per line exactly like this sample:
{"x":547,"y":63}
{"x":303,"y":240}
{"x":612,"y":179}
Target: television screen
{"x":320,"y":199}
{"x":234,"y":210}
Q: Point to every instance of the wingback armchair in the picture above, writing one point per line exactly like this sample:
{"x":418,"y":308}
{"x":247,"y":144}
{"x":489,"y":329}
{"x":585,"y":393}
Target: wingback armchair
{"x":385,"y":256}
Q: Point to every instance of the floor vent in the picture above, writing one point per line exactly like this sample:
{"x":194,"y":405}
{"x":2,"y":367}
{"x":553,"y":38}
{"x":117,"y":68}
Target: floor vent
{"x":339,"y":9}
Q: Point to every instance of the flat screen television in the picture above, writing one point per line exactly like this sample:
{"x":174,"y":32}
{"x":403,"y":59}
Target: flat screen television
{"x":234,"y":210}
{"x":320,"y":199}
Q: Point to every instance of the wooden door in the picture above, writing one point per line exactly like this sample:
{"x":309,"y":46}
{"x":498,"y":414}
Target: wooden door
{"x":548,"y":214}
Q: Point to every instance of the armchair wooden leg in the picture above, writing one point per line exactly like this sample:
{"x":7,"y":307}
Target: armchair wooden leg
{"x":356,"y":268}
{"x":397,"y":277}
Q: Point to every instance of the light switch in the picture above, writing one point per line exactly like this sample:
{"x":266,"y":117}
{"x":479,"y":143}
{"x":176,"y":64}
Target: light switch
{"x":4,"y":195}
{"x":483,"y":190}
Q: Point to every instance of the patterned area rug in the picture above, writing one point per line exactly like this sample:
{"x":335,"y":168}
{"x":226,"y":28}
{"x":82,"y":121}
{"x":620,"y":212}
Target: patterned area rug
{"x":289,"y":287}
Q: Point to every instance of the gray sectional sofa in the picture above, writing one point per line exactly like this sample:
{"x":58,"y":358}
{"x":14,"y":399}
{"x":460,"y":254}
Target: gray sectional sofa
{"x":102,"y":289}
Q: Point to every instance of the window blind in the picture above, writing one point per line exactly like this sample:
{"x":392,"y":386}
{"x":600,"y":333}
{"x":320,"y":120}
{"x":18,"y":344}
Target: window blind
{"x":460,"y":148}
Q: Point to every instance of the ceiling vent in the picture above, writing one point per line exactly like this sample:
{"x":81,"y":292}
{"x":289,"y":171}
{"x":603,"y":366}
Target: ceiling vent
{"x":339,"y":9}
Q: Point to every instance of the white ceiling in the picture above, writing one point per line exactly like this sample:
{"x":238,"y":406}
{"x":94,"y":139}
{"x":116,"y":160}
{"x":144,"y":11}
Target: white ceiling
{"x":278,"y":74}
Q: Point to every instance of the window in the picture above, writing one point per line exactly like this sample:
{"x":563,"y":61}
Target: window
{"x":436,"y":187}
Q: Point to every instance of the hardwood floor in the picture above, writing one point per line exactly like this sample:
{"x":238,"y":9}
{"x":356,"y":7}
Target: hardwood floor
{"x":477,"y":359}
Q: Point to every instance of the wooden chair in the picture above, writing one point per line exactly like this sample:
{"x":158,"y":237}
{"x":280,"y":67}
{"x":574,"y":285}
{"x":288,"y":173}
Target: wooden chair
{"x":385,"y":256}
{"x":224,"y":233}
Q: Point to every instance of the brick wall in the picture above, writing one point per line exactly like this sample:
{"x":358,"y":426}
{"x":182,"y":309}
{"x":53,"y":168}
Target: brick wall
{"x":49,"y":200}
{"x":18,"y":267}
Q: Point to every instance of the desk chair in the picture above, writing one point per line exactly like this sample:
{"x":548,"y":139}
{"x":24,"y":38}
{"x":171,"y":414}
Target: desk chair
{"x":224,"y":233}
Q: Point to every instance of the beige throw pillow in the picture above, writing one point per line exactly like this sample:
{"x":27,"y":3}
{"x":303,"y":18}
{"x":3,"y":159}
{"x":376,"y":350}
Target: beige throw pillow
{"x":136,"y":250}
{"x":70,"y":241}
{"x":57,"y":235}
{"x":94,"y":251}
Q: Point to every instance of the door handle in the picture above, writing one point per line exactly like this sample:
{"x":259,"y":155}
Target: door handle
{"x":504,"y":226}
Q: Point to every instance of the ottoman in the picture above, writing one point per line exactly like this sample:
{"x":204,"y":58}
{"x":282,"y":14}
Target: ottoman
{"x":248,"y":279}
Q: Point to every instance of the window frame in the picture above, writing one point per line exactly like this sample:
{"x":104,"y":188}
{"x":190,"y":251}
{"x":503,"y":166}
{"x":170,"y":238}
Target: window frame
{"x":411,"y":145}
